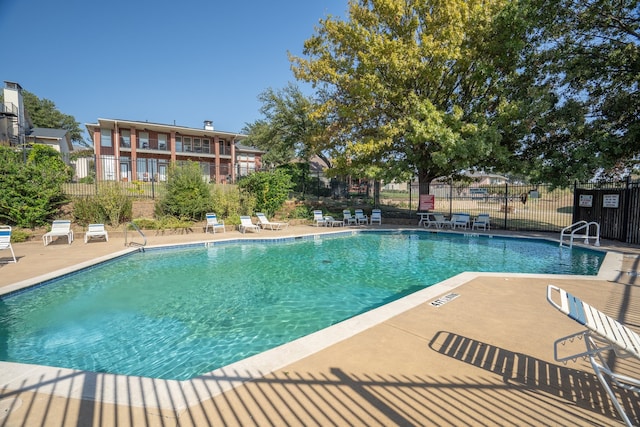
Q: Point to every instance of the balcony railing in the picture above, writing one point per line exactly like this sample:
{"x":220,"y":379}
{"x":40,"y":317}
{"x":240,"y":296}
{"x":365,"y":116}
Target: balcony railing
{"x":165,"y":146}
{"x":9,"y":108}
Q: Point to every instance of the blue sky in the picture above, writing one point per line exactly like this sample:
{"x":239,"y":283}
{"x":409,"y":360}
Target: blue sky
{"x":159,"y":61}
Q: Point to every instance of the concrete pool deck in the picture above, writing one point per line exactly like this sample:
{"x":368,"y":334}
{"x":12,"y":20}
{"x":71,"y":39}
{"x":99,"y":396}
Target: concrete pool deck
{"x":482,"y":358}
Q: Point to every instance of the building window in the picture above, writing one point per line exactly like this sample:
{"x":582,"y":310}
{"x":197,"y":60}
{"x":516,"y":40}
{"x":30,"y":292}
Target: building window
{"x":125,"y":138}
{"x":197,"y":145}
{"x":178,"y":144}
{"x":143,"y":140}
{"x":224,"y":147}
{"x":162,"y":141}
{"x":186,"y":144}
{"x":105,"y":138}
{"x":246,"y":164}
{"x":206,"y":146}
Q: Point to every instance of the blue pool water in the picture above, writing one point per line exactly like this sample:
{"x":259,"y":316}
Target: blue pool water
{"x":178,"y":313}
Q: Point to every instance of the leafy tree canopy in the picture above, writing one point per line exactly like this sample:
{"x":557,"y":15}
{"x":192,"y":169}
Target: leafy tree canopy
{"x":414,"y":85}
{"x":289,"y":129}
{"x":584,"y":64}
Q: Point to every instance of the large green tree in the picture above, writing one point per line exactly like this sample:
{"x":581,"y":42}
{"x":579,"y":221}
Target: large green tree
{"x":585,"y":58}
{"x":44,"y":113}
{"x":289,"y":129}
{"x":415,"y":85}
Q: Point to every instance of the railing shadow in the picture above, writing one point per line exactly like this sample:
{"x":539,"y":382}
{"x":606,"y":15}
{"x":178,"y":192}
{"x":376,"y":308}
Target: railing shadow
{"x":577,"y":387}
{"x":522,"y":390}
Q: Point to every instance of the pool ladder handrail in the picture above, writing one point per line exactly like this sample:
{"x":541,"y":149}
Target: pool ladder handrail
{"x":579,"y":226}
{"x":144,"y":238}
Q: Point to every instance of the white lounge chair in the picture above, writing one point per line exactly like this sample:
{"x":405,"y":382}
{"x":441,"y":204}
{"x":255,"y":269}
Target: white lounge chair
{"x":459,"y":220}
{"x":348,"y":218}
{"x":213,"y":223}
{"x":330,"y":221}
{"x":96,"y":230}
{"x":59,"y":227}
{"x":603,"y":333}
{"x":482,"y":221}
{"x":246,"y":224}
{"x":435,"y":220}
{"x":264,"y":222}
{"x":318,"y":218}
{"x":376,"y":217}
{"x":361,"y":218}
{"x":5,"y":240}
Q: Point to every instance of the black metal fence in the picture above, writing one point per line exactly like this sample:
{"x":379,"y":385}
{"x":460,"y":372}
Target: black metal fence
{"x":510,"y":206}
{"x":615,"y":206}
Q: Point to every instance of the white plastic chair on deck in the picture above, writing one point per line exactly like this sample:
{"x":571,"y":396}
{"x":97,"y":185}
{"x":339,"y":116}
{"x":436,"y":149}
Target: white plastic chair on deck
{"x":318,"y":218}
{"x":5,"y":240}
{"x":361,"y":218}
{"x":376,"y":217}
{"x":246,"y":224}
{"x":96,"y":230}
{"x":482,"y":221}
{"x":213,"y":223}
{"x":264,"y":222}
{"x":603,"y":334}
{"x":59,"y":228}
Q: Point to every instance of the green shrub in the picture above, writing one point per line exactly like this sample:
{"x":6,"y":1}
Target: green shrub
{"x":87,"y":210}
{"x":31,"y":192}
{"x":115,"y":204}
{"x":146,"y":223}
{"x":173,"y":223}
{"x":300,"y":212}
{"x":111,"y":205}
{"x":225,"y":200}
{"x":19,"y":236}
{"x":269,"y":189}
{"x":86,"y":180}
{"x":233,"y":219}
{"x":187,"y":195}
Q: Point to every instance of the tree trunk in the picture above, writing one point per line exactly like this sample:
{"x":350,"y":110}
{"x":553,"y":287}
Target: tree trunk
{"x":424,"y":182}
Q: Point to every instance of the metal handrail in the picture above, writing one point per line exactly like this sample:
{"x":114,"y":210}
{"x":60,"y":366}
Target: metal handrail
{"x":144,"y":238}
{"x":578,"y":226}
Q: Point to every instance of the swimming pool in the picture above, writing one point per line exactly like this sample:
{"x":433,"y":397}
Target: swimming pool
{"x":178,"y":313}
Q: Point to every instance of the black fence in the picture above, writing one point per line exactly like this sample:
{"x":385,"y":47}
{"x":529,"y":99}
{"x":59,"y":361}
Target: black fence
{"x":615,"y":206}
{"x":510,"y":206}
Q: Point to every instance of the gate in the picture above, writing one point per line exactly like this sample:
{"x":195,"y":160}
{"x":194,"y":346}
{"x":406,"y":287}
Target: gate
{"x":614,"y":205}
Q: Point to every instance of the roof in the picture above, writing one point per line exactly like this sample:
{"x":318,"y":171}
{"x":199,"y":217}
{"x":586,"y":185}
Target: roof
{"x":48,"y":133}
{"x":160,"y":127}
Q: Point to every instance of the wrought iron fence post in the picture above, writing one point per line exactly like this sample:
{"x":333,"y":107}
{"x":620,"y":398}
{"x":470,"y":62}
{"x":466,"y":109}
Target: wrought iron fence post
{"x":451,"y":197}
{"x":506,"y":203}
{"x":95,"y":166}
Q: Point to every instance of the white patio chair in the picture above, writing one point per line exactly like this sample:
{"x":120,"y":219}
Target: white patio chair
{"x":246,"y":224}
{"x":376,"y":217}
{"x":482,"y":221}
{"x":603,"y":334}
{"x":264,"y":222}
{"x":318,"y":218}
{"x":5,"y":240}
{"x":96,"y":230}
{"x":361,"y":218}
{"x":213,"y":223}
{"x":59,"y":228}
{"x":348,"y":218}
